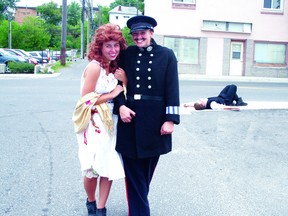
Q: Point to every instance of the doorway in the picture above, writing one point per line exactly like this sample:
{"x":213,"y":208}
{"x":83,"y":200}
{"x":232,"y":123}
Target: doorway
{"x":236,"y":59}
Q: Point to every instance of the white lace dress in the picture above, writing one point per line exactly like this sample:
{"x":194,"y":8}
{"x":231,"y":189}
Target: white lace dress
{"x":96,"y":147}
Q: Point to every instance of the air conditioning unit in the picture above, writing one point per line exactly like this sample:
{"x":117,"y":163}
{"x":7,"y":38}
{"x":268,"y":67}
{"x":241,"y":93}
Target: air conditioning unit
{"x":2,"y":68}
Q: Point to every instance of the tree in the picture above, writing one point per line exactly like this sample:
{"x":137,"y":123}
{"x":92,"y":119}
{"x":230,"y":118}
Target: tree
{"x":4,"y":32}
{"x":102,"y":17}
{"x":127,"y":36}
{"x":50,"y":13}
{"x":6,"y":6}
{"x":35,"y":36}
{"x":73,"y":14}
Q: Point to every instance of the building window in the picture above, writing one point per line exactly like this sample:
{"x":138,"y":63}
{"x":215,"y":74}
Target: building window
{"x":185,"y":49}
{"x":269,"y":53}
{"x":185,"y":1}
{"x":272,"y":4}
{"x":211,"y":25}
{"x":184,"y":4}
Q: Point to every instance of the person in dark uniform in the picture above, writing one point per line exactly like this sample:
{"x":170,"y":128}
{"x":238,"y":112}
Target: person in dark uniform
{"x":227,"y":99}
{"x":148,"y":115}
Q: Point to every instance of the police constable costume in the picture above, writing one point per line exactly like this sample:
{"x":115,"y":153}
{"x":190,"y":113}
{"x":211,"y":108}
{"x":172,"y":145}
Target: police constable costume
{"x":153,"y":94}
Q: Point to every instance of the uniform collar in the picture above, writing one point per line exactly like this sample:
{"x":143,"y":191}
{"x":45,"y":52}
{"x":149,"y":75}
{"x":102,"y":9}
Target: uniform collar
{"x":148,"y":48}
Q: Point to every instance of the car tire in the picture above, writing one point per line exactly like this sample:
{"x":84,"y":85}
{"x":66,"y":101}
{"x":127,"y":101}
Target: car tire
{"x":7,"y":69}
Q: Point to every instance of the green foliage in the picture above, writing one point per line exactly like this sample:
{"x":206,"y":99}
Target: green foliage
{"x":18,"y":67}
{"x":4,"y":33}
{"x":35,"y":36}
{"x":127,"y":36}
{"x":50,"y":13}
{"x":17,"y":33}
{"x":104,"y":15}
{"x":73,"y":14}
{"x":57,"y":66}
{"x":38,"y":33}
{"x":55,"y":33}
{"x":6,"y":6}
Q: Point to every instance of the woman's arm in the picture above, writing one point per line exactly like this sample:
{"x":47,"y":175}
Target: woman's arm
{"x":91,"y":75}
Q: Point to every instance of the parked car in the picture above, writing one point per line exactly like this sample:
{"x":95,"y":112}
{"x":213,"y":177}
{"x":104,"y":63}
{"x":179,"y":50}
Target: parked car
{"x":17,"y":53}
{"x":41,"y":55}
{"x":26,"y":54}
{"x":54,"y":55}
{"x":5,"y":58}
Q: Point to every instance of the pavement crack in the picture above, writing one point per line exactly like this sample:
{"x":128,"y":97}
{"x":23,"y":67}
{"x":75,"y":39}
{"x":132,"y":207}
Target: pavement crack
{"x":51,"y":168}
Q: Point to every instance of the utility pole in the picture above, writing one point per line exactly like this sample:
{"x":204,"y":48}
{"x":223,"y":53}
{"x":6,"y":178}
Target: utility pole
{"x":92,"y":25}
{"x":10,"y":18}
{"x":82,"y":28}
{"x":10,"y":35}
{"x":64,"y":32}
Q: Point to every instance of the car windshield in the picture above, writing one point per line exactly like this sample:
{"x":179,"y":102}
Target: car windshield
{"x":42,"y":53}
{"x":11,"y":52}
{"x":24,"y":52}
{"x":4,"y":52}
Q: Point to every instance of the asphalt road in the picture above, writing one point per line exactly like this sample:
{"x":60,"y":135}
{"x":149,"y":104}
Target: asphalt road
{"x":223,"y":163}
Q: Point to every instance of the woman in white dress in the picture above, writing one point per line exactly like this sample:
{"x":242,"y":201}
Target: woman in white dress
{"x":97,"y":154}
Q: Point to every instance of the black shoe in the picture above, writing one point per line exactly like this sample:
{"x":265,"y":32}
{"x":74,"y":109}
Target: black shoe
{"x":240,"y":102}
{"x":101,"y":212}
{"x":91,"y":207}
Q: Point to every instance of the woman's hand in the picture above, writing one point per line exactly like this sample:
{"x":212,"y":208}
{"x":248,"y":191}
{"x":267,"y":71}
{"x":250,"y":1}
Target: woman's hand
{"x":121,"y":75}
{"x":126,"y":114}
{"x":116,"y":91}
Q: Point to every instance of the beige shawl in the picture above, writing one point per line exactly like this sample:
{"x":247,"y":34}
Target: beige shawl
{"x":82,"y":113}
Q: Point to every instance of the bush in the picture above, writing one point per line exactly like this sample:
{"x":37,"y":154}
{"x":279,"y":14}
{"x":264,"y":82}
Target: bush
{"x":18,"y":67}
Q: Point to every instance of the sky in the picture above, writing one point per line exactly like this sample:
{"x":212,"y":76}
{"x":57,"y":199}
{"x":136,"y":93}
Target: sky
{"x":35,"y":3}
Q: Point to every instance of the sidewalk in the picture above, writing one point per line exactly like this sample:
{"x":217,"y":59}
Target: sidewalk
{"x":232,"y":78}
{"x":252,"y":105}
{"x":28,"y":76}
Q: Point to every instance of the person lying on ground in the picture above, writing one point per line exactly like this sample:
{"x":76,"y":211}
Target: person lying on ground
{"x":226,"y":100}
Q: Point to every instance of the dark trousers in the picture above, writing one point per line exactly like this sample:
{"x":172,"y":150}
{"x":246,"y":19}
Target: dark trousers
{"x":229,"y":94}
{"x":139,"y":173}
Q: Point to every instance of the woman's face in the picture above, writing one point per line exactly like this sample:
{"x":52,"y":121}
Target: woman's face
{"x":110,"y":50}
{"x":142,"y":38}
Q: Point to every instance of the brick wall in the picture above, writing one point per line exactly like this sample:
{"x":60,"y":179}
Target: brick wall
{"x":22,"y":12}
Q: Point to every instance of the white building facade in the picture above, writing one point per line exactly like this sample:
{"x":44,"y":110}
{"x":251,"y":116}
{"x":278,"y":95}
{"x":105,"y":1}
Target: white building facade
{"x":224,"y":38}
{"x":120,"y":14}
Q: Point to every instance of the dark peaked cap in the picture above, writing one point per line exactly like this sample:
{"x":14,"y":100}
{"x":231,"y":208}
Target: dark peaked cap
{"x":141,"y":23}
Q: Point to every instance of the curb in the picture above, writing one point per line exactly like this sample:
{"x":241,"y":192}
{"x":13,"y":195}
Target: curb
{"x":252,"y":105}
{"x":231,"y":78}
{"x":28,"y":76}
{"x":182,"y":77}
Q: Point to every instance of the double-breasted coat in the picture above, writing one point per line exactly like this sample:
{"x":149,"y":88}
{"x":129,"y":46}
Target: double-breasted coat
{"x":153,"y":94}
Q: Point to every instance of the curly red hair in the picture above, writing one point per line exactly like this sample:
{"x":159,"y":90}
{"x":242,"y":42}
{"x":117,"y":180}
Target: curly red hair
{"x":105,"y":33}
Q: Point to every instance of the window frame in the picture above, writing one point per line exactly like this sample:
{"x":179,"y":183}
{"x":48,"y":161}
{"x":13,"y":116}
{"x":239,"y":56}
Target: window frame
{"x":194,"y":61}
{"x":181,"y":4}
{"x":271,"y":9}
{"x":225,"y":26}
{"x":269,"y":63}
